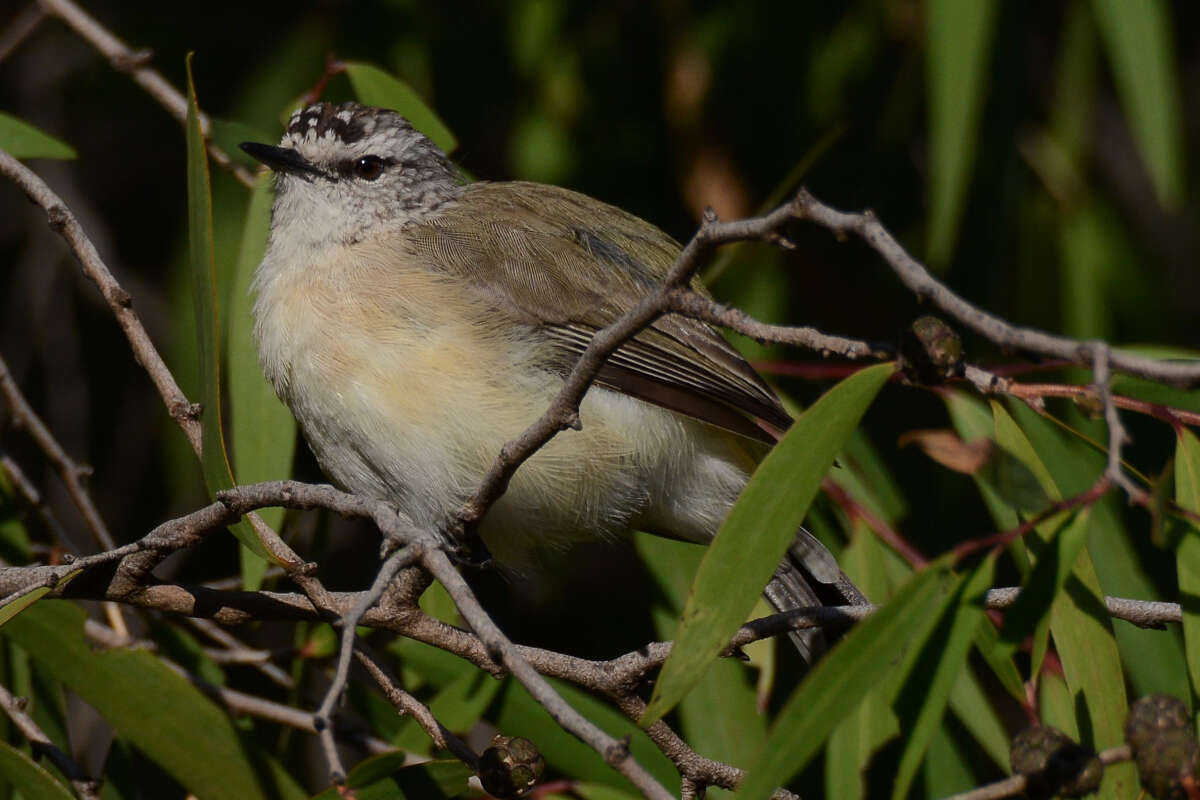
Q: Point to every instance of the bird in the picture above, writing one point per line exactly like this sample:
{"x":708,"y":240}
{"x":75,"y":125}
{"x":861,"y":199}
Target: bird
{"x":414,"y":322}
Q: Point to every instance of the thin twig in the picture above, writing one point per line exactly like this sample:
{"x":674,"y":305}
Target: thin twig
{"x":185,"y":414}
{"x":406,"y":704}
{"x":1184,"y":373}
{"x":323,"y":719}
{"x":72,"y":474}
{"x":134,"y":63}
{"x":1118,"y":437}
{"x":614,"y":752}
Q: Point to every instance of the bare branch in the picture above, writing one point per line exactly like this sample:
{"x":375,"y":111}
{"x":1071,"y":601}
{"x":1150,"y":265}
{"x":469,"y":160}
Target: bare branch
{"x":914,"y":275}
{"x":72,"y":474}
{"x":119,"y":302}
{"x":124,"y":59}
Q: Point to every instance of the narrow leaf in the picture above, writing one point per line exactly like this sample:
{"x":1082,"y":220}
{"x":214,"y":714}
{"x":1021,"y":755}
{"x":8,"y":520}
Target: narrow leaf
{"x":262,"y":430}
{"x":1153,"y":660}
{"x":854,"y":668}
{"x":20,"y":772}
{"x":1079,"y":622}
{"x":213,"y":460}
{"x":1187,"y":495}
{"x":725,"y":691}
{"x":1138,"y":38}
{"x":958,"y":39}
{"x":374,"y":87}
{"x":158,"y":711}
{"x":19,"y":604}
{"x":923,"y":699}
{"x":22,"y":140}
{"x":757,"y":532}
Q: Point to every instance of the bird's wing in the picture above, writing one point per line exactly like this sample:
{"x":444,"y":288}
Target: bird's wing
{"x":500,"y":238}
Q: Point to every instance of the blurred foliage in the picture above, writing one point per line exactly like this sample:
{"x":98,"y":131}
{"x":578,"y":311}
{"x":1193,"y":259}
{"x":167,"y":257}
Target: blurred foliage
{"x":1042,"y":157}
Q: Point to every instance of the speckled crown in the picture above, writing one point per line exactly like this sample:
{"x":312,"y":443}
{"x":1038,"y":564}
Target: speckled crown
{"x":346,"y":122}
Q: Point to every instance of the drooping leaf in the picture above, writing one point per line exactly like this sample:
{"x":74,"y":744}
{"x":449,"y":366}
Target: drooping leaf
{"x":757,"y":532}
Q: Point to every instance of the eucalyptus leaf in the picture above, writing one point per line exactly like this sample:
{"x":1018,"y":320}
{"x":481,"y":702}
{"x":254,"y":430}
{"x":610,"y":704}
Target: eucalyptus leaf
{"x":754,"y":537}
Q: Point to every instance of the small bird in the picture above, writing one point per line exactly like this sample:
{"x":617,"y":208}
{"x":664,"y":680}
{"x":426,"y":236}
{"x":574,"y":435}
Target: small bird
{"x":414,"y":323}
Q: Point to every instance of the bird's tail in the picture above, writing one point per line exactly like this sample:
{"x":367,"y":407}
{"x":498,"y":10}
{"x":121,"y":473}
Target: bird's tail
{"x":810,"y":576}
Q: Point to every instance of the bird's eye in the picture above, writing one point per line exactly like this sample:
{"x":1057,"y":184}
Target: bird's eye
{"x":368,"y":168}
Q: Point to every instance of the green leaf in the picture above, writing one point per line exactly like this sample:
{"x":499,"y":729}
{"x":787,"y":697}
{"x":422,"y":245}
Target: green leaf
{"x":19,"y":604}
{"x":947,"y":765}
{"x":1187,"y":495}
{"x":187,"y":735}
{"x":970,"y":704}
{"x":596,"y":791}
{"x":1138,"y":38}
{"x":374,"y":87}
{"x":725,"y":692}
{"x":1079,"y":622}
{"x":227,"y":134}
{"x":1154,"y":660}
{"x":1054,"y":560}
{"x":261,"y":429}
{"x":857,"y":738}
{"x":855,"y":667}
{"x":35,"y":783}
{"x":958,"y":40}
{"x":213,"y":460}
{"x":757,"y":532}
{"x":923,"y":698}
{"x":22,"y":140}
{"x":385,"y":777}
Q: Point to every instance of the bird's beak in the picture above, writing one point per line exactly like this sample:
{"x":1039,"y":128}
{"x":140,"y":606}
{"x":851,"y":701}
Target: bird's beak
{"x":281,"y":159}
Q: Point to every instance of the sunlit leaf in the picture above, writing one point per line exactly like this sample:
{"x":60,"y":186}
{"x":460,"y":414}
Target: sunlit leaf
{"x":844,"y":678}
{"x":757,"y":532}
{"x":1079,"y":622}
